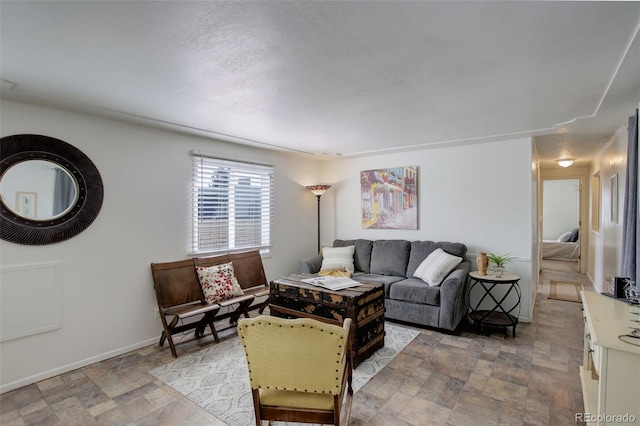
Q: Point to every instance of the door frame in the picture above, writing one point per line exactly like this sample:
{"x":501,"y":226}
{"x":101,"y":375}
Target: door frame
{"x":582,"y":174}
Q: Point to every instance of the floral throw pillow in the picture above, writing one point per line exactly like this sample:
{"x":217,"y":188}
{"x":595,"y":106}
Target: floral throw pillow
{"x":218,"y":282}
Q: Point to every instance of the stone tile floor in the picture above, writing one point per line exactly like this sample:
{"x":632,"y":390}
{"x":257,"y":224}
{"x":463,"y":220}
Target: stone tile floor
{"x":439,"y":379}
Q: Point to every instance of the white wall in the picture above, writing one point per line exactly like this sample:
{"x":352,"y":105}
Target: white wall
{"x":479,"y":195}
{"x":108,"y":302}
{"x":605,"y":245}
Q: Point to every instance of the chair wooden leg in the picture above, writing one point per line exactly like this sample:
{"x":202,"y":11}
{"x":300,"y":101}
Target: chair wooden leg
{"x":256,"y":406}
{"x":345,"y":414}
{"x":350,"y":373}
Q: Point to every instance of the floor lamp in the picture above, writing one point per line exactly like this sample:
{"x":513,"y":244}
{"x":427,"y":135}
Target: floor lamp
{"x":318,"y":190}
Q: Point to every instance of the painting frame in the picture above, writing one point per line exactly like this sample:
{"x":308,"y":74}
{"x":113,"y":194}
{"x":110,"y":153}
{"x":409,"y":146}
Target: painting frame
{"x":389,"y":198}
{"x":27,"y":204}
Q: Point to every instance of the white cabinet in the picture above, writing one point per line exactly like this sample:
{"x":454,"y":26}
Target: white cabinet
{"x":610,"y":373}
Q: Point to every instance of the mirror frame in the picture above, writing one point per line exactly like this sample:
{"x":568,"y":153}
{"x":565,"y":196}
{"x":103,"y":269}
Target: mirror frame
{"x":18,"y":229}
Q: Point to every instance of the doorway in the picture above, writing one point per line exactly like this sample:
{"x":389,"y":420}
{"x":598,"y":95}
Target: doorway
{"x":561,"y":225}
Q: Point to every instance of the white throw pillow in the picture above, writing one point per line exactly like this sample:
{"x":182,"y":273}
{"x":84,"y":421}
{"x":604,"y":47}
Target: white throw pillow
{"x":564,"y":237}
{"x":436,"y":267}
{"x":338,"y":258}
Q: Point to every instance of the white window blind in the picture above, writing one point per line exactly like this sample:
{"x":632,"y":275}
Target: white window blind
{"x":231,"y":203}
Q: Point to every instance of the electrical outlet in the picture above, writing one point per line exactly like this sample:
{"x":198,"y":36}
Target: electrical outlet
{"x":157,"y":313}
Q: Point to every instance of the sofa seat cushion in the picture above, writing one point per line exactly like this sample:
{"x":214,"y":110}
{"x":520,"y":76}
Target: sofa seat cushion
{"x":387,"y":280}
{"x":415,"y":290}
{"x":390,"y":257}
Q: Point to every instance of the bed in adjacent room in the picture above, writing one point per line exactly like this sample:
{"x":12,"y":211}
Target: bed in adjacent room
{"x":565,"y":248}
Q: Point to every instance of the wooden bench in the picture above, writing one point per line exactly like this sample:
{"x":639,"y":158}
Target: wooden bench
{"x":182,"y":305}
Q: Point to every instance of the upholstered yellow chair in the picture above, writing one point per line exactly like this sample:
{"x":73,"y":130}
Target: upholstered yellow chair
{"x":299,"y":369}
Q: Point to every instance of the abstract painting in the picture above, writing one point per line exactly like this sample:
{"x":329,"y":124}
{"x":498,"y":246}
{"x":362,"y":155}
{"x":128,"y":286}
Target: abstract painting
{"x":389,"y":198}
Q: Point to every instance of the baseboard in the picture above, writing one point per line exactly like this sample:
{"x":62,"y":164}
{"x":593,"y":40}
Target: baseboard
{"x":593,"y":286}
{"x":74,"y":366}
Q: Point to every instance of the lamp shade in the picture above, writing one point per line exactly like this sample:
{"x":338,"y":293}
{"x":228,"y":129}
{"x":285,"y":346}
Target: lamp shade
{"x":565,"y":162}
{"x":318,"y":189}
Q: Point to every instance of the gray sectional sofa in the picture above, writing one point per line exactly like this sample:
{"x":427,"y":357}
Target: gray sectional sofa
{"x":407,"y":298}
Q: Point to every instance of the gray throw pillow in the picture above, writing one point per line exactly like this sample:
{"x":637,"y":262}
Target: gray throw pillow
{"x":574,"y":236}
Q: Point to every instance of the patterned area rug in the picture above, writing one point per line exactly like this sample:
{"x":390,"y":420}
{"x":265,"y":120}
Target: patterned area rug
{"x":216,"y":377}
{"x":567,"y":291}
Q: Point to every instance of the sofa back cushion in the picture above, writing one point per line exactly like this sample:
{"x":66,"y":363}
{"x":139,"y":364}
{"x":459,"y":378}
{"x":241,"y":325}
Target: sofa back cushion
{"x":421,"y":249}
{"x":390,"y":257}
{"x":361,"y":255}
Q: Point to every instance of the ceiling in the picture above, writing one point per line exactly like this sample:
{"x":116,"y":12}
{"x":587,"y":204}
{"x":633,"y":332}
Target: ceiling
{"x":336,"y":78}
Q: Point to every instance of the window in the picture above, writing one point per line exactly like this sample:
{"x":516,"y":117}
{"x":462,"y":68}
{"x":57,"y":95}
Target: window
{"x":231,"y":205}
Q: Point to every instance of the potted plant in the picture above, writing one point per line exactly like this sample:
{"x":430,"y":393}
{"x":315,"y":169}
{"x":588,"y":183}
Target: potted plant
{"x":500,"y":260}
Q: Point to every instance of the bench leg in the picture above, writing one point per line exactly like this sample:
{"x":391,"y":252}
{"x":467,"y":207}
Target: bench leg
{"x":243,"y":309}
{"x":214,"y":332}
{"x":209,"y":319}
{"x":166,"y":335}
{"x":263,"y":305}
{"x":172,"y":346}
{"x":247,"y":308}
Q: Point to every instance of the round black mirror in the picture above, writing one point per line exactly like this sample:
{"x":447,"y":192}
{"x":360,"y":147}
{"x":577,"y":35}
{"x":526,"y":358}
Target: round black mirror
{"x":50,"y":191}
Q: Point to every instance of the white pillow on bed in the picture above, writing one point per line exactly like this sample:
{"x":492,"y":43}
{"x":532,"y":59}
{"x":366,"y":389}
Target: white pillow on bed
{"x":436,"y":267}
{"x":564,"y":237}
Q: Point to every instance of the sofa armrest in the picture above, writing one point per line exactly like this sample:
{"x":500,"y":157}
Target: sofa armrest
{"x":310,"y":265}
{"x":453,"y":296}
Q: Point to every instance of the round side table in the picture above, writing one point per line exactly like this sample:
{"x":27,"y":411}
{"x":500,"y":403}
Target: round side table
{"x":503,"y":313}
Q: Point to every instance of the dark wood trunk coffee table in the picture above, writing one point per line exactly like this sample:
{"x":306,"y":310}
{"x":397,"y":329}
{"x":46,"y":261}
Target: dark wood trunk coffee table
{"x":364,"y":304}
